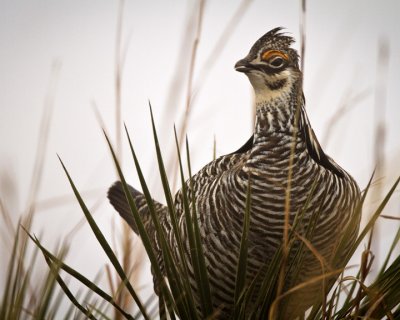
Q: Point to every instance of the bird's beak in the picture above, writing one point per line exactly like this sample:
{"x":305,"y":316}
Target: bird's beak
{"x":243,"y":65}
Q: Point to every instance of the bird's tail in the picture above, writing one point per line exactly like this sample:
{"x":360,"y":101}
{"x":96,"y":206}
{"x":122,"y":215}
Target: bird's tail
{"x":117,"y":198}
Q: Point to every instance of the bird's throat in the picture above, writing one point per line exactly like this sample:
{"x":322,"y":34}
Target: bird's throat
{"x":276,"y":115}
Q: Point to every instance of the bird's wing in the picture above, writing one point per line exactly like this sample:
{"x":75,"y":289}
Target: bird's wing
{"x":314,"y":148}
{"x":246,"y":147}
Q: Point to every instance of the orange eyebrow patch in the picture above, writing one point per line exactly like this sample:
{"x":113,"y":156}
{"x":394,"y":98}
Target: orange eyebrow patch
{"x":273,"y":53}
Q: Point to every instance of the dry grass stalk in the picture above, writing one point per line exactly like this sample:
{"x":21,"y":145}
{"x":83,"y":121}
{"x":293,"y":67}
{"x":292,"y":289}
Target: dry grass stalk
{"x":118,"y":79}
{"x":218,"y":48}
{"x":193,"y":90}
{"x":122,"y":298}
{"x":349,"y":101}
{"x":192,"y":64}
{"x":380,"y":131}
{"x":303,"y":34}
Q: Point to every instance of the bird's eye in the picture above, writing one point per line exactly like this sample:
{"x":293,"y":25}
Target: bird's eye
{"x":276,"y":62}
{"x":275,"y":58}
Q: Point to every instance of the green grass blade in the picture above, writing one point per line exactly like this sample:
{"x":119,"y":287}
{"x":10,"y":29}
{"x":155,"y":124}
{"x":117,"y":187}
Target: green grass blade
{"x":72,"y":309}
{"x":349,"y":302}
{"x":265,"y":295}
{"x":5,"y":308}
{"x":205,"y":299}
{"x":92,"y":286}
{"x":385,"y":287}
{"x":352,"y":290}
{"x":192,"y":251}
{"x":23,"y":290}
{"x":199,"y":246}
{"x":168,"y":256}
{"x":242,"y":259}
{"x":54,"y":268}
{"x":97,"y":310}
{"x":395,"y":241}
{"x":89,"y":294}
{"x":175,"y":228}
{"x":56,"y":304}
{"x":18,"y":288}
{"x":104,"y":244}
{"x":172,"y":272}
{"x":375,"y":216}
{"x":167,"y":190}
{"x":48,"y":289}
{"x":296,"y":264}
{"x":161,"y":307}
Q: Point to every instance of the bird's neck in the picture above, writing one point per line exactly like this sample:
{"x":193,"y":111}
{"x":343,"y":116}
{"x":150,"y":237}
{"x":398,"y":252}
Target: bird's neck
{"x":277,"y":113}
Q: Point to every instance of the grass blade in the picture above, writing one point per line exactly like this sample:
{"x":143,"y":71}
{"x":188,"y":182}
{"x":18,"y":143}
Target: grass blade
{"x":205,"y":300}
{"x":168,"y":256}
{"x":205,"y":287}
{"x":395,"y":241}
{"x":375,"y":216}
{"x":191,"y":309}
{"x":89,"y":284}
{"x":5,"y":304}
{"x":48,"y":289}
{"x":54,"y":268}
{"x":242,"y":259}
{"x":104,"y":244}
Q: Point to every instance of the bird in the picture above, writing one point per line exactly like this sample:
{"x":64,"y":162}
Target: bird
{"x":283,"y":148}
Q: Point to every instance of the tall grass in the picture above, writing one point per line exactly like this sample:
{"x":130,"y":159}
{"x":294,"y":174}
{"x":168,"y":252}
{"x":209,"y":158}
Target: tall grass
{"x":352,"y":296}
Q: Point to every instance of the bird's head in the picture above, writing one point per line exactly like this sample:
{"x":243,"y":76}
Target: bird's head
{"x":272,"y":66}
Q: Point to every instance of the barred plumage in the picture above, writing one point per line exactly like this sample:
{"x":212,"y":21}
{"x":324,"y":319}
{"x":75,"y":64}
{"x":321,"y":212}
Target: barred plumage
{"x":220,"y":187}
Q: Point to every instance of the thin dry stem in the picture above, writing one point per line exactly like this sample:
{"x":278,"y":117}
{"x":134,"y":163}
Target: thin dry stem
{"x":44,"y":134}
{"x":349,"y":101}
{"x":380,"y":104}
{"x":389,"y":217}
{"x":123,"y":297}
{"x":379,"y":118}
{"x":212,"y":58}
{"x":64,"y":199}
{"x":39,"y":165}
{"x":110,"y":280}
{"x":177,"y":82}
{"x":274,"y":305}
{"x":93,"y":209}
{"x":374,"y":306}
{"x":303,"y":34}
{"x":285,"y":251}
{"x":365,"y":268}
{"x":320,"y":83}
{"x":281,"y":279}
{"x":118,"y":80}
{"x":10,"y":226}
{"x":219,"y":47}
{"x":322,"y":262}
{"x":214,"y":148}
{"x":195,"y":45}
{"x":99,"y":117}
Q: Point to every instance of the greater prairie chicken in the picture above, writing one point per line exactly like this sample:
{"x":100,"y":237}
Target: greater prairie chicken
{"x":324,"y":194}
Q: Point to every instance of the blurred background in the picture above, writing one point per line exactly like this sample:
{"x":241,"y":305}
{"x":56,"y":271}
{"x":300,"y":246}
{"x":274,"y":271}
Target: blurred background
{"x":61,"y":63}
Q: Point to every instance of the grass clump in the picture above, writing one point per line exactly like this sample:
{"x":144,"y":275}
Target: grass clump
{"x":351,"y":297}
